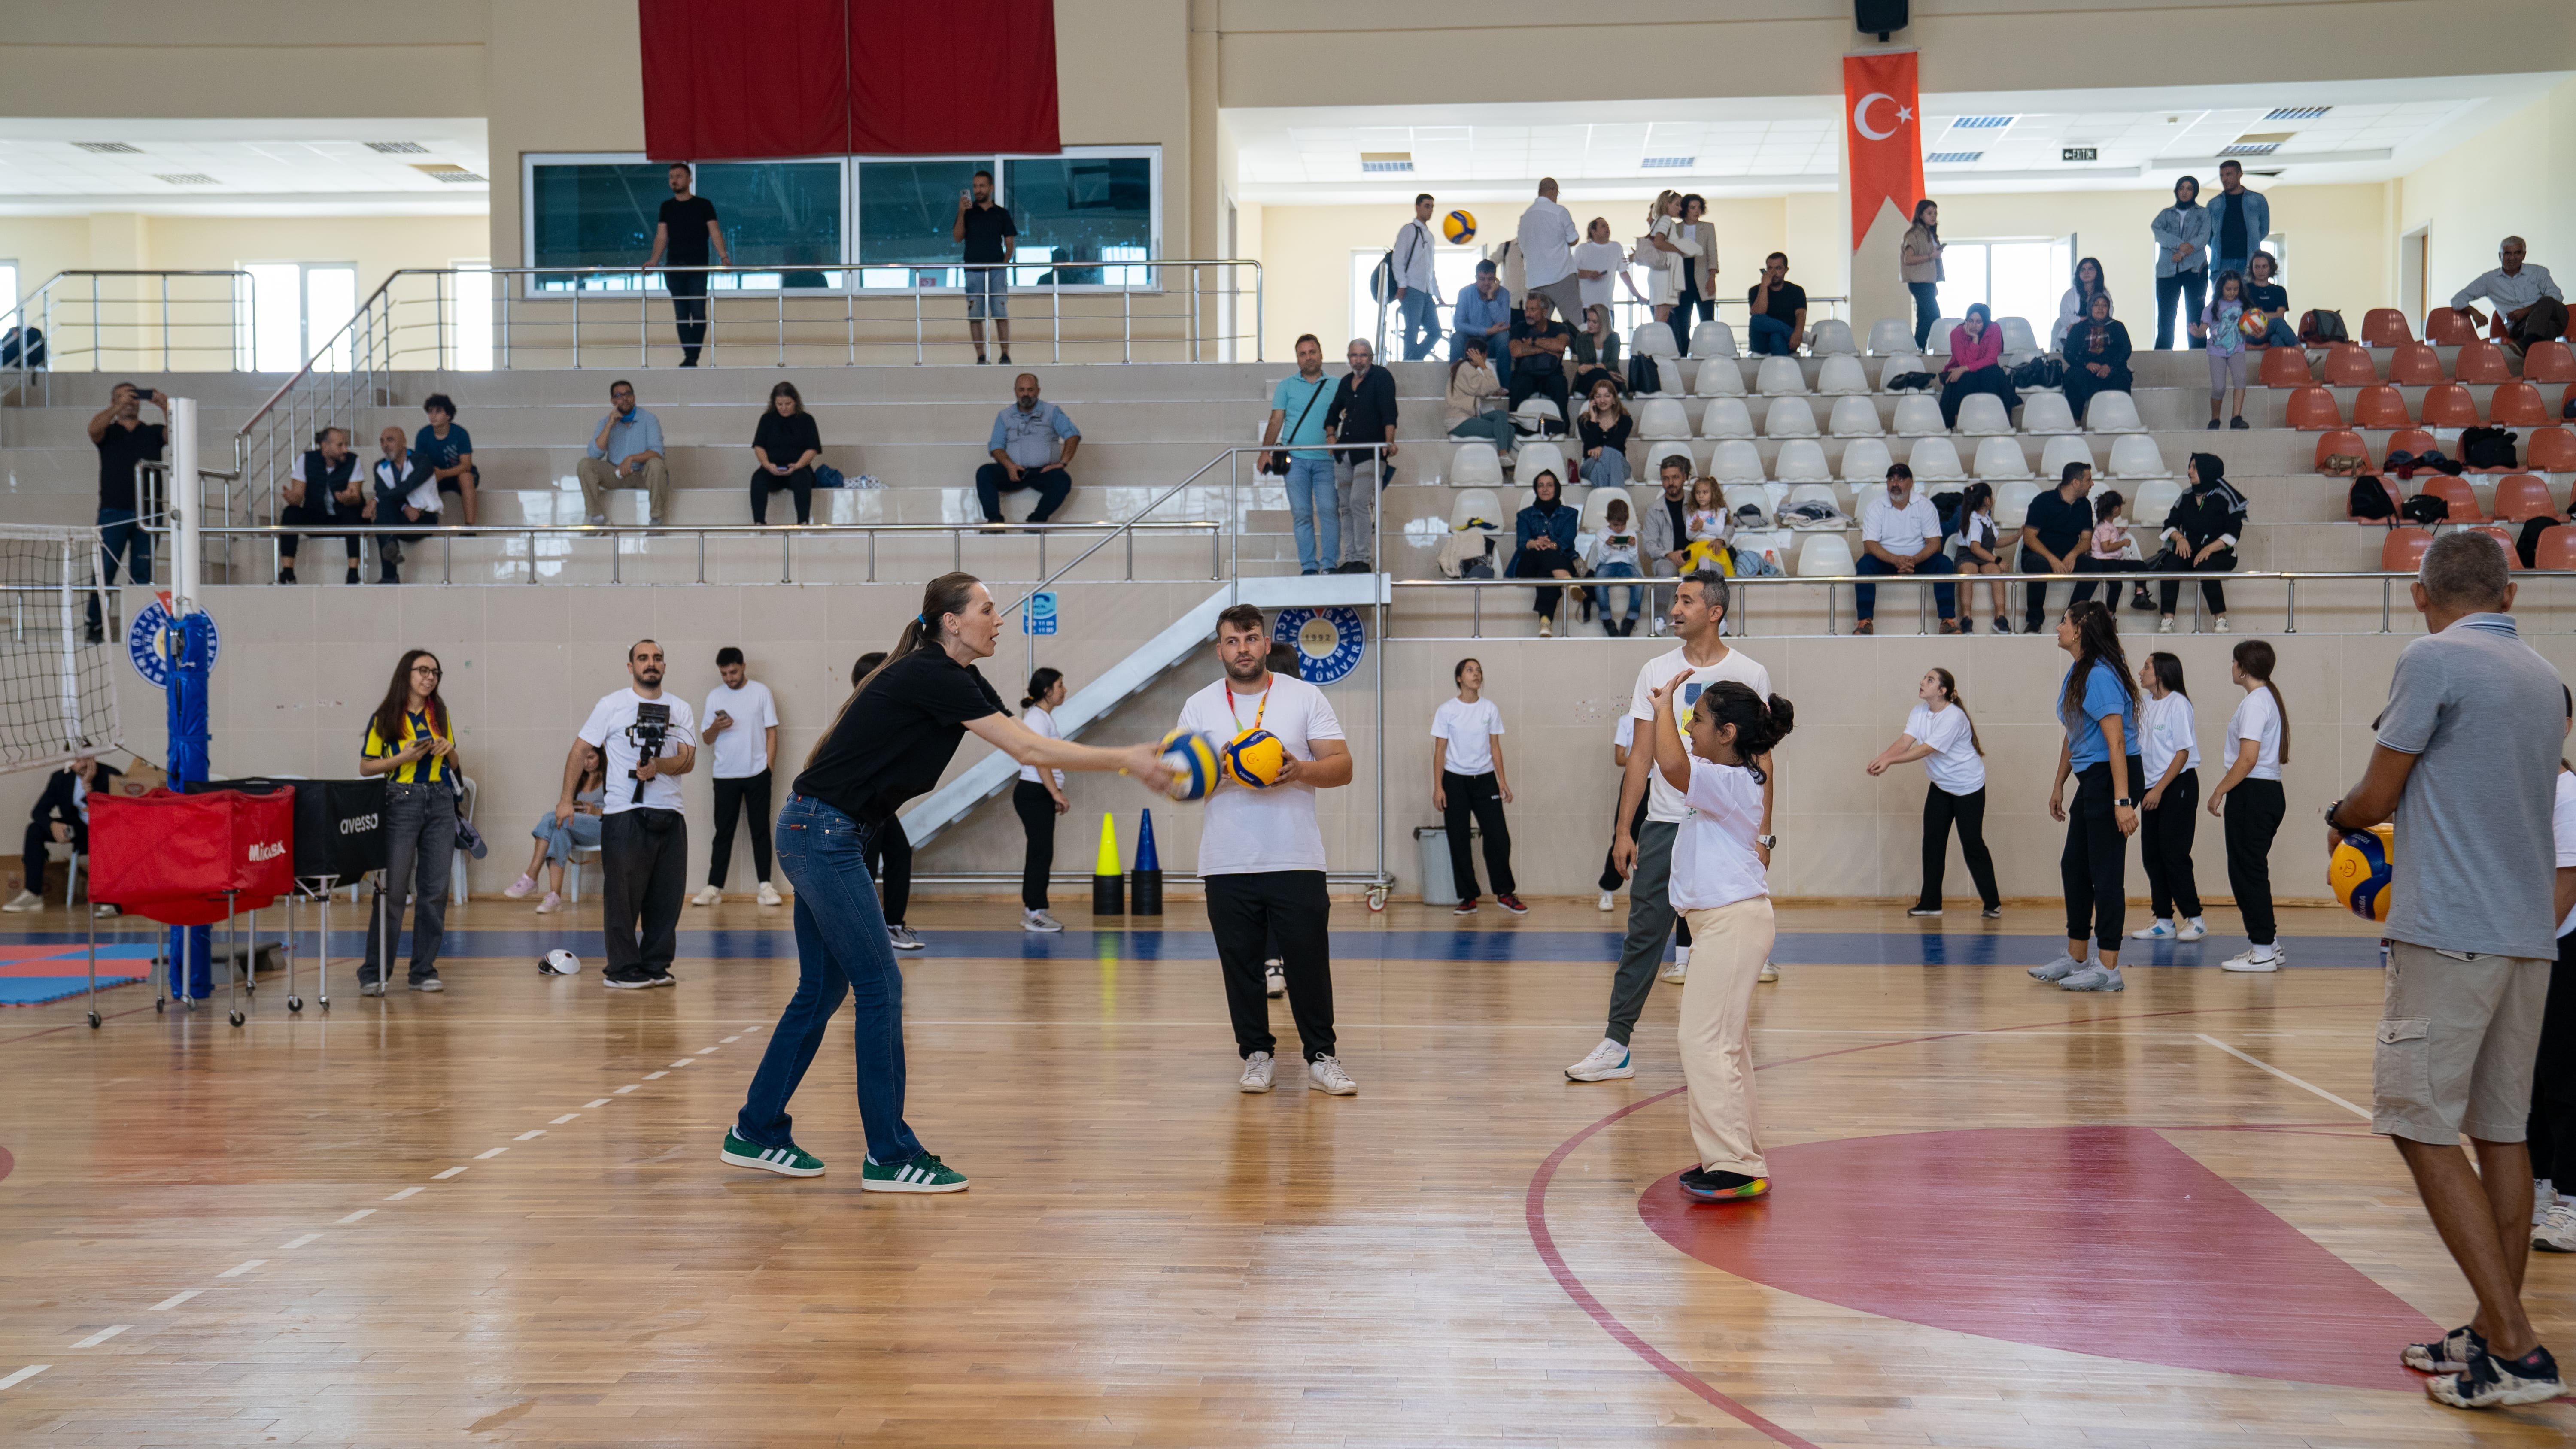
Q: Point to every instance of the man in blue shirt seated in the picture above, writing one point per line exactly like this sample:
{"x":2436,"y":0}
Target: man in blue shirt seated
{"x":625,"y":452}
{"x":1484,"y":310}
{"x":1032,"y":444}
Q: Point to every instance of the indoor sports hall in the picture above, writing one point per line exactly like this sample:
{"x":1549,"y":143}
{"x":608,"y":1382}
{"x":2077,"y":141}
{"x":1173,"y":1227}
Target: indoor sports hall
{"x":1158,"y":722}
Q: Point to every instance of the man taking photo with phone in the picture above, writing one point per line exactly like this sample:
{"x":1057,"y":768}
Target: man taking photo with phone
{"x":986,"y":228}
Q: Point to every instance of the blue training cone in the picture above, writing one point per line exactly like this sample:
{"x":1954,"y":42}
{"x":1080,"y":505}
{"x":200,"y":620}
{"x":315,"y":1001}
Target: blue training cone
{"x":1145,"y":890}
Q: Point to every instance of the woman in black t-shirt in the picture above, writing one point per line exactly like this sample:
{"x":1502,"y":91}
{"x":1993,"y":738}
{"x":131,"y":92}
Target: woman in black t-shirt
{"x":892,"y":740}
{"x":787,"y":443}
{"x":2270,"y":301}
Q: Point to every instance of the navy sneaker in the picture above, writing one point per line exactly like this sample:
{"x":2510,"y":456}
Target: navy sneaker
{"x":1707,"y":1186}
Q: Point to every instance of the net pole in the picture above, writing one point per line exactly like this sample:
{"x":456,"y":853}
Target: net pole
{"x":186,"y":503}
{"x":73,"y":733}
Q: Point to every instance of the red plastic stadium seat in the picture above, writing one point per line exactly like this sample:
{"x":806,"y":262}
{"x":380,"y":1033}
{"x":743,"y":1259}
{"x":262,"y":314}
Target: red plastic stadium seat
{"x":2504,"y":540}
{"x":2517,"y":405}
{"x":2550,"y":450}
{"x":2448,"y":406}
{"x":2342,"y":440}
{"x":2454,"y":491}
{"x":2348,"y":364}
{"x":2446,"y":328}
{"x":2391,"y":520}
{"x":2313,"y":409}
{"x":2557,"y":549}
{"x":2520,"y":497}
{"x":2410,"y":440}
{"x":2286,"y":367}
{"x":2403,"y":550}
{"x":2415,"y":364}
{"x":2384,"y":327}
{"x":2379,"y":406}
{"x":2551,"y":361}
{"x":2480,"y":362}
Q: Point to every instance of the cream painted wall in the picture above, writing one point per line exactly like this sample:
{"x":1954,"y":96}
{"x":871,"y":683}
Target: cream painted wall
{"x":2511,"y":180}
{"x":45,"y":245}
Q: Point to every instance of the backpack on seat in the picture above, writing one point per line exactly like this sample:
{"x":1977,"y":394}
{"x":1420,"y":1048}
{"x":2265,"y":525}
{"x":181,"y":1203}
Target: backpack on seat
{"x":2425,"y":508}
{"x":2318,"y":326}
{"x":2487,"y":447}
{"x":2370,"y":499}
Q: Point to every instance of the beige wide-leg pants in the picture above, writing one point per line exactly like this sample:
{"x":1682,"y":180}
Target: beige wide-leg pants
{"x":1728,"y":947}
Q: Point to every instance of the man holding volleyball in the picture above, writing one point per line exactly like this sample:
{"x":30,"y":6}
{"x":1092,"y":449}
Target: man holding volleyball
{"x":1261,"y":853}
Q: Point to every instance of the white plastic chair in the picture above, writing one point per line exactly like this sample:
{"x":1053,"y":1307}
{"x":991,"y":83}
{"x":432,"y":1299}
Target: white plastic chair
{"x":1534,"y":408}
{"x":1865,"y":494}
{"x":1473,"y":463}
{"x":2135,"y":455}
{"x":2018,"y":340}
{"x":1939,"y":341}
{"x":1841,"y":376}
{"x":1897,"y":365}
{"x":1713,"y":339}
{"x":2047,"y":412}
{"x":1981,"y":414}
{"x":1726,"y":417}
{"x":2001,"y":458}
{"x":1662,"y":417}
{"x":1935,"y":460}
{"x":1596,"y":509}
{"x":2148,"y":506}
{"x":1824,"y":493}
{"x":1801,"y":460}
{"x":1537,"y":454}
{"x":1736,"y":461}
{"x":1781,"y":377}
{"x":1718,"y":376}
{"x":1856,"y":417}
{"x":1652,"y":452}
{"x":1831,"y":337}
{"x":1890,"y":335}
{"x":1789,"y":417}
{"x":1654,"y":340}
{"x":1918,"y":414}
{"x":1865,"y":460}
{"x":1826,"y":554}
{"x":2012,"y":506}
{"x":1484,"y":503}
{"x":2063,"y":449}
{"x":2112,"y":412}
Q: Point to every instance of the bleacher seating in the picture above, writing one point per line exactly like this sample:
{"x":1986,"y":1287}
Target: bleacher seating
{"x":1865,"y":460}
{"x":2000,"y":458}
{"x":1855,"y":417}
{"x":2112,"y":412}
{"x":2062,"y":449}
{"x":2135,"y":455}
{"x":2556,"y":548}
{"x":1890,"y":335}
{"x":2448,"y":405}
{"x":1718,"y":377}
{"x":2286,"y":367}
{"x":2348,"y":364}
{"x":1662,"y":417}
{"x":1918,"y":414}
{"x":2012,"y":505}
{"x":1935,"y":460}
{"x":2481,"y":362}
{"x":2380,"y":406}
{"x":1897,"y":365}
{"x":1831,"y":337}
{"x":2402,"y":551}
{"x":2504,"y":540}
{"x":1801,"y":460}
{"x":2384,"y":327}
{"x":1981,"y":414}
{"x":1736,"y":460}
{"x":1841,"y":376}
{"x":2521,"y":497}
{"x":2415,"y":364}
{"x":1542,"y":455}
{"x":2516,"y":405}
{"x":2446,"y":328}
{"x":1655,"y":340}
{"x":1824,"y":555}
{"x":2047,"y":412}
{"x":2019,"y":341}
{"x":1780,"y":377}
{"x":1714,"y":339}
{"x":1473,"y":503}
{"x":2339,"y":442}
{"x":2551,"y":450}
{"x":2313,"y":410}
{"x":1789,"y":417}
{"x":1475,"y":464}
{"x":2549,"y":362}
{"x":1726,"y":417}
{"x":2150,"y":505}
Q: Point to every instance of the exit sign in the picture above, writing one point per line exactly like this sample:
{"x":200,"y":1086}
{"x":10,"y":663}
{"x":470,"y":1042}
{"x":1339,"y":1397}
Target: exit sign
{"x":2077,"y":153}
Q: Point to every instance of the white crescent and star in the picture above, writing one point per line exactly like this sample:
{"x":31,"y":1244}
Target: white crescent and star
{"x":1860,"y":115}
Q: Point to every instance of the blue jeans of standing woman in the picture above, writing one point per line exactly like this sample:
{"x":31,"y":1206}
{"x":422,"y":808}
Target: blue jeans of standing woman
{"x":1315,"y":509}
{"x":841,"y":950}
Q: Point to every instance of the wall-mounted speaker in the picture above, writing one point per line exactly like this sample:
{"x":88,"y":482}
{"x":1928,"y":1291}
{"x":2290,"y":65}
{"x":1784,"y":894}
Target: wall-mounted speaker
{"x":1878,"y":17}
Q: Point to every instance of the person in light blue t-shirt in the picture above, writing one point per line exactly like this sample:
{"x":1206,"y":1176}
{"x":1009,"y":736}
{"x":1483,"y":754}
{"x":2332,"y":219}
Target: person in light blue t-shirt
{"x":2098,"y":706}
{"x":1297,"y":408}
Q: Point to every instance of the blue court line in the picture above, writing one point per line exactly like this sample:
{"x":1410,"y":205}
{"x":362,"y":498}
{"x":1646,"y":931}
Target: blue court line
{"x":1794,"y":948}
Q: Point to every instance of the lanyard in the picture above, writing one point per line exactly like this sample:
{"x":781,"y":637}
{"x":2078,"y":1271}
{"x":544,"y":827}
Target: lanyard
{"x":1257,"y":713}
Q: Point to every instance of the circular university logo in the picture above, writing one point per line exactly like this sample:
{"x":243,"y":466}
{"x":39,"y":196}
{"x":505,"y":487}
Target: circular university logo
{"x":152,"y":641}
{"x":1329,"y":641}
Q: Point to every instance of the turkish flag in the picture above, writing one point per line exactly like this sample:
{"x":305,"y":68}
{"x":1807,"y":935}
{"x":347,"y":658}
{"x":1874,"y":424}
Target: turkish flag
{"x":1882,"y":111}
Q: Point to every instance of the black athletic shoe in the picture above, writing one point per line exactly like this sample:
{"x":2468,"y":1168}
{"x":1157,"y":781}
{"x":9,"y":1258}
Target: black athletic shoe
{"x":2491,"y":1383}
{"x":1707,"y":1186}
{"x":2448,"y":1354}
{"x":286,"y":576}
{"x":353,"y":575}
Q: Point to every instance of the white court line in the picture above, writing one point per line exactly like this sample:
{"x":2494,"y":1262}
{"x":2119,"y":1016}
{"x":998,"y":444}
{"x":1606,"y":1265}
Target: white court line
{"x":568,"y":1116}
{"x":238,"y":1269}
{"x":648,"y":1076}
{"x":2284,"y":1076}
{"x":295,"y":1243}
{"x":175,"y":1299}
{"x":102,"y":1336}
{"x":682,"y":1062}
{"x":398,"y":1197}
{"x":631,"y":1086}
{"x":362,"y":1212}
{"x":702,"y":1051}
{"x":488,"y":1155}
{"x":530,"y":1136}
{"x":444,"y":1176}
{"x":24,"y":1374}
{"x":729,"y":1041}
{"x":602,"y":1102}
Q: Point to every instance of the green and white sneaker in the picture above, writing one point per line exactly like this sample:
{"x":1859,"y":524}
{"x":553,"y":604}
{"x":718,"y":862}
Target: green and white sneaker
{"x":788,"y":1161}
{"x":923,"y":1173}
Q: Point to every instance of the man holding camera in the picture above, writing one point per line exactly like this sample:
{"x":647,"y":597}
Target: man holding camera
{"x":647,"y":741}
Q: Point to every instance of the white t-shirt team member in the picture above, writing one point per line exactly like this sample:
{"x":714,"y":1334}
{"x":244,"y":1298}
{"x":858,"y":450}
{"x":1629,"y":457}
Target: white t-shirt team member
{"x":2255,"y":746}
{"x":741,"y":733}
{"x":643,"y":838}
{"x":2168,"y":801}
{"x":1939,"y":732}
{"x":1468,"y":780}
{"x":1261,"y":853}
{"x":1468,"y":730}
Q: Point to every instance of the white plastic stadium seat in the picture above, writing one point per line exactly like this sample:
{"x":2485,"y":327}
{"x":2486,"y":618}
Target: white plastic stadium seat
{"x":1718,"y":377}
{"x":2046,"y":412}
{"x":1865,"y":460}
{"x":1981,"y":414}
{"x":1897,"y":365}
{"x":1653,"y":451}
{"x":2135,"y":455}
{"x":1918,"y":414}
{"x":1662,"y":417}
{"x":1735,"y":496}
{"x":1935,"y":460}
{"x":2147,"y":509}
{"x":2018,"y":341}
{"x":1736,"y":461}
{"x":1939,"y":341}
{"x":1537,"y":455}
{"x":1816,"y":493}
{"x":1534,"y":408}
{"x":2063,"y":449}
{"x":1841,"y":376}
{"x":1573,"y":498}
{"x":1801,"y":460}
{"x":1654,"y":340}
{"x":1865,"y":494}
{"x":1855,"y":417}
{"x":1482,"y":503}
{"x":1831,"y":337}
{"x":1890,"y":335}
{"x":2012,"y":506}
{"x":1789,"y":417}
{"x":1781,"y":377}
{"x":1474,"y":464}
{"x":1596,"y":509}
{"x":2112,"y":412}
{"x":1726,"y":417}
{"x":1827,"y":554}
{"x":2001,"y":458}
{"x":1713,"y":339}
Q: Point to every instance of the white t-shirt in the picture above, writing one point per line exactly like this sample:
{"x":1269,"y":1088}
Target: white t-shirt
{"x":1470,"y":731}
{"x":2166,"y":727}
{"x":610,"y":731}
{"x":1547,"y":237}
{"x":423,"y":496}
{"x":1248,"y":831}
{"x":1954,"y":763}
{"x":1607,"y":258}
{"x":1714,"y":863}
{"x":1040,"y":723}
{"x":2257,"y":718}
{"x":2562,"y":829}
{"x":1901,"y":531}
{"x":742,"y":751}
{"x":1663,"y":801}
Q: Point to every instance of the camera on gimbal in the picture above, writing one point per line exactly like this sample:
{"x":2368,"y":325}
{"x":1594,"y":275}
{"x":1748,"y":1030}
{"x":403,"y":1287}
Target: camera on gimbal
{"x":652,"y":725}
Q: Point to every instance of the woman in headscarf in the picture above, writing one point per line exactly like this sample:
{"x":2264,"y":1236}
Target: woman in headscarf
{"x":2200,"y":538}
{"x":2097,"y":356}
{"x":1976,"y":365}
{"x":1544,"y":545}
{"x":2077,"y":303}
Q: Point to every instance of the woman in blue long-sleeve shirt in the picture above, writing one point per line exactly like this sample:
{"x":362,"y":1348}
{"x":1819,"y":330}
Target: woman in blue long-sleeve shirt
{"x":1543,"y":545}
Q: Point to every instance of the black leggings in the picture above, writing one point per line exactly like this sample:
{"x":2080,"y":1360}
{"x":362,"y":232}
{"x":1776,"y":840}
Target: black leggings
{"x":2254,"y":810}
{"x":1940,"y":808}
{"x":2094,"y":867}
{"x":1481,"y":796}
{"x":2164,"y":847}
{"x":2553,"y":1079}
{"x":799,"y":482}
{"x":1037,"y":816}
{"x":889,"y":859}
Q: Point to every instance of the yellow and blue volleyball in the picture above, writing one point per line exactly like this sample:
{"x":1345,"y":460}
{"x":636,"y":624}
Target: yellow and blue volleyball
{"x":1193,"y":762}
{"x":1459,"y":227}
{"x":2361,"y":871}
{"x":1255,"y":758}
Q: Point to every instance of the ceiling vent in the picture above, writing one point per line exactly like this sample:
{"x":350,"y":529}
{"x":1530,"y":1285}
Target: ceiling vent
{"x":398,"y":148}
{"x":2250,"y":148}
{"x":1982,"y":123}
{"x":2297,"y":113}
{"x":444,"y":171}
{"x":1385,"y":162}
{"x":109,"y":148}
{"x":188,"y":178}
{"x":1952,"y":158}
{"x":1669,"y":163}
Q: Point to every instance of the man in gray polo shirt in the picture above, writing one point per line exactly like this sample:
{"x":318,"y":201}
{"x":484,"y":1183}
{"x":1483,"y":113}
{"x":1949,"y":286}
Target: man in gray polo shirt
{"x":2465,"y":764}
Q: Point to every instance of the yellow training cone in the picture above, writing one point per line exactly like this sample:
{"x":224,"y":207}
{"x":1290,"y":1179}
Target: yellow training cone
{"x":1108,"y":878}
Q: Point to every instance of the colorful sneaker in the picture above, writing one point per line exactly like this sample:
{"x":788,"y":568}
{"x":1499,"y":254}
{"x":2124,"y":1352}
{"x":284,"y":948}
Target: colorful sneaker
{"x":2057,"y":970}
{"x":1707,"y":1186}
{"x":2192,"y":930}
{"x":923,"y":1173}
{"x":788,"y":1161}
{"x":520,"y":889}
{"x":1511,"y":903}
{"x":2448,"y":1354}
{"x":2096,"y":977}
{"x":1465,"y":907}
{"x":1608,"y":1062}
{"x":1325,"y":1074}
{"x":2493,"y":1383}
{"x":1258,"y":1069}
{"x":2159,"y":930}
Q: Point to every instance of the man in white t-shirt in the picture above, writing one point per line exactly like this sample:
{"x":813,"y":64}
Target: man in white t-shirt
{"x":646,"y":741}
{"x":1698,"y":618}
{"x":742,"y":734}
{"x":1261,"y":854}
{"x":1901,"y":534}
{"x":1546,"y":242}
{"x":1417,"y":288}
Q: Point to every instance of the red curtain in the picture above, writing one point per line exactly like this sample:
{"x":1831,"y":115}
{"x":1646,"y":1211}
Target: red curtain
{"x":755,"y":78}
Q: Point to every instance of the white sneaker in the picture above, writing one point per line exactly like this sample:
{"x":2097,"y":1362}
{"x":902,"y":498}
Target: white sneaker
{"x":2544,"y":1196}
{"x":707,"y":897}
{"x":769,"y":895}
{"x":2556,"y":1231}
{"x":1608,"y":1062}
{"x":1546,"y":629}
{"x":2161,"y":930}
{"x":2219,"y":627}
{"x":1679,"y":971}
{"x":1609,"y":902}
{"x":2251,"y":962}
{"x":2192,"y":930}
{"x":1257,"y":1069}
{"x":1325,"y":1074}
{"x":553,"y":902}
{"x":2165,"y":625}
{"x":1040,"y":922}
{"x":1770,"y":973}
{"x":25,"y":901}
{"x":1274,"y":980}
{"x":520,"y":889}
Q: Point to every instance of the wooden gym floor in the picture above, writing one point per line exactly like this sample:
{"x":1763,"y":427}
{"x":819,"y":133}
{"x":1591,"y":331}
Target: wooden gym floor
{"x":2005,"y":1215}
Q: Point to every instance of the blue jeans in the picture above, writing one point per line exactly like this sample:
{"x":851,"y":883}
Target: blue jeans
{"x":841,"y":950}
{"x":1865,"y":596}
{"x":118,"y":533}
{"x":581,"y":832}
{"x":1421,"y":324}
{"x":1315,"y":506}
{"x":2280,"y":334}
{"x":1770,"y":336}
{"x":1636,"y":596}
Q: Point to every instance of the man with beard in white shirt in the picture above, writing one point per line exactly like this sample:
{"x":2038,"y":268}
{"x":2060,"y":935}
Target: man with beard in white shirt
{"x":647,"y":740}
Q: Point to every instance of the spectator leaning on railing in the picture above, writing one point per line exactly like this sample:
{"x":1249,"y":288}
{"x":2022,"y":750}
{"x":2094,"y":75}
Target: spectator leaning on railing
{"x":625,"y":452}
{"x":1033,"y":443}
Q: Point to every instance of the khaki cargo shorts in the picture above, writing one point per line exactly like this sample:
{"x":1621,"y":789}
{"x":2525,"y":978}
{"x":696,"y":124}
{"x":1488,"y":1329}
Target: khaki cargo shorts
{"x":2457,"y":1039}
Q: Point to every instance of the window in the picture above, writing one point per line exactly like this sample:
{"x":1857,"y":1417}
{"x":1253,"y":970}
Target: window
{"x":603,"y":213}
{"x":1074,"y":209}
{"x":472,"y":317}
{"x":908,"y":215}
{"x":9,"y":297}
{"x":295,"y":308}
{"x":2014,"y":278}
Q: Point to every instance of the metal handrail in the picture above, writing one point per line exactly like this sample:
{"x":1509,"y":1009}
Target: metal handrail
{"x":240,"y":308}
{"x":1627,"y":314}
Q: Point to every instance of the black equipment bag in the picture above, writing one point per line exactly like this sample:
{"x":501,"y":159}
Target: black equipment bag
{"x":2369,"y":498}
{"x":339,"y":824}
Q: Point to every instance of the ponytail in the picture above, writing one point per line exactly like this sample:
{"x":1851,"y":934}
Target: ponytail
{"x":945,"y":595}
{"x":1759,"y":724}
{"x":1039,"y":684}
{"x":1950,"y":691}
{"x":2255,"y":657}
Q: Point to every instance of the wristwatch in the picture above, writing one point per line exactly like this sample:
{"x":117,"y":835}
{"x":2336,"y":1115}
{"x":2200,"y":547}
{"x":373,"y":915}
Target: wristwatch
{"x":2331,"y":823}
{"x":2125,"y":803}
{"x":1767,"y":842}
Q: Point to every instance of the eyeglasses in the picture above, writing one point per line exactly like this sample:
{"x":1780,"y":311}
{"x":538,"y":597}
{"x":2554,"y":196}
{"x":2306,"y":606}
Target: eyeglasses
{"x":431,"y":670}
